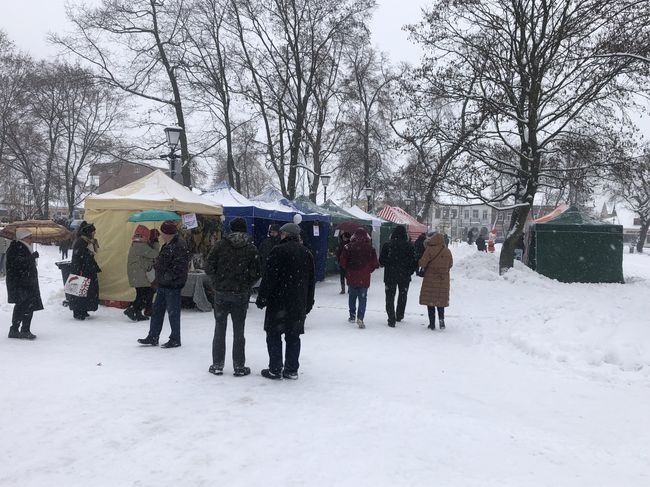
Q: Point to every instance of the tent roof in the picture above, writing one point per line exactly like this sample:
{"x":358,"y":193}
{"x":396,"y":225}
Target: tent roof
{"x":553,"y":214}
{"x":359,"y":213}
{"x":329,"y":205}
{"x":154,"y":191}
{"x":337,"y":215}
{"x":395,"y":214}
{"x":226,"y":195}
{"x":571,"y":216}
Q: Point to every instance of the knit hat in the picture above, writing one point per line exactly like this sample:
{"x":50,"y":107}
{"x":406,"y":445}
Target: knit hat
{"x":274,"y":227}
{"x":141,"y":233}
{"x":22,"y":233}
{"x":168,"y":227}
{"x":290,"y":229}
{"x":238,"y":225}
{"x":86,"y":229}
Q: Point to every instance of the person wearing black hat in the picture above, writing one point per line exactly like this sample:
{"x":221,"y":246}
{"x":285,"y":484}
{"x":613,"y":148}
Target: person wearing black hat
{"x":171,"y":268}
{"x":22,"y":284}
{"x":268,"y":243}
{"x":83,"y":263}
{"x":234,"y":266}
{"x":287,"y":293}
{"x":344,"y":239}
{"x":397,"y":257}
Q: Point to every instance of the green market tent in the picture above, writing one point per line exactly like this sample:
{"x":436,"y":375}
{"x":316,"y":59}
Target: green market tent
{"x":575,"y":247}
{"x":341,"y":221}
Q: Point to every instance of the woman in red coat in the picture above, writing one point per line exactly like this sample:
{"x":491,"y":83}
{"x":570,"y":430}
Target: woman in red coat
{"x":359,"y":259}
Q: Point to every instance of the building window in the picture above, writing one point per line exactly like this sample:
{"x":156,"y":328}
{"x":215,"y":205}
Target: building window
{"x":454,"y":214}
{"x":445,"y":212}
{"x":485,"y":215}
{"x":467,"y":214}
{"x":438,"y":213}
{"x":475,"y":214}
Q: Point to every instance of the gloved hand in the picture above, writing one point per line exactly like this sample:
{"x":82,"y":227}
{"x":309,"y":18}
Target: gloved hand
{"x":260,"y":302}
{"x":35,"y":254}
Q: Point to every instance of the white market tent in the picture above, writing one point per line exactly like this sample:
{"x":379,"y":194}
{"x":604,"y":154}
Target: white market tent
{"x":376,"y":223}
{"x":110,"y":211}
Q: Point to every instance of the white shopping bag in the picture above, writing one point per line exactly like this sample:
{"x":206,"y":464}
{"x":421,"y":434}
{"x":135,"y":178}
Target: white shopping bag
{"x":77,"y":285}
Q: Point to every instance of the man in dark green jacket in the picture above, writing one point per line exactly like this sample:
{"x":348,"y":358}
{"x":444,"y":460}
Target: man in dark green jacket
{"x":234,"y":266}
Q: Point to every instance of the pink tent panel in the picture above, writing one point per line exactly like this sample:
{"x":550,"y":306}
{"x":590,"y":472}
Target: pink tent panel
{"x":397,"y":215}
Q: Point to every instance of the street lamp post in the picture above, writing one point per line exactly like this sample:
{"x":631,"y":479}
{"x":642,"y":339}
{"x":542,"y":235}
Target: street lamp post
{"x":369,"y":193}
{"x":173,"y":135}
{"x":407,"y":201}
{"x":325,"y":180}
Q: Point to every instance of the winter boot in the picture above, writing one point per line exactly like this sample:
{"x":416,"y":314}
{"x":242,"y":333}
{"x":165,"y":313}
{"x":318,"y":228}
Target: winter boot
{"x":13,"y":331}
{"x":432,"y":326}
{"x":171,"y":344}
{"x":141,"y":317}
{"x":216,"y":369}
{"x":442,"y":324}
{"x":360,"y":323}
{"x":149,"y":340}
{"x":25,"y":334}
{"x":290,"y":375}
{"x":269,"y":374}
{"x":352,"y":319}
{"x":131,"y":313}
{"x":241,"y":371}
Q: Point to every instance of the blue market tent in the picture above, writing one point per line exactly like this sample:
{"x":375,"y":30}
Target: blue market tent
{"x":315,"y":226}
{"x":268,"y":208}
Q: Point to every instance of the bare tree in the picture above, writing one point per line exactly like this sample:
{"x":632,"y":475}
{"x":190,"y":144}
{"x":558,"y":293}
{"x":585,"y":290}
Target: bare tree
{"x":540,"y":71}
{"x":135,"y":46}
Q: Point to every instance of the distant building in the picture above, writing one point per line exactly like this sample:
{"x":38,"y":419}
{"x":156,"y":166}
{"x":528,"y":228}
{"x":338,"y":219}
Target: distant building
{"x":109,"y":176}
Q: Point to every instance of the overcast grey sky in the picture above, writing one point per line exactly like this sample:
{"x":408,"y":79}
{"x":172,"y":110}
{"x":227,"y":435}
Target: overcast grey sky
{"x":28,"y":21}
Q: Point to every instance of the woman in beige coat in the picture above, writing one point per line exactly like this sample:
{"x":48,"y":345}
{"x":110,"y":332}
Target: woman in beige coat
{"x":435,"y":264}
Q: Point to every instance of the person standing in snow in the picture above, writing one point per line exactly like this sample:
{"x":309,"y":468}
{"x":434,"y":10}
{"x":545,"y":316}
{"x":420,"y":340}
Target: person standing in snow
{"x":287,"y":292}
{"x":359,"y":259}
{"x":268,"y":243}
{"x":435,"y":264}
{"x":142,"y":254}
{"x":481,"y":246}
{"x":397,"y":256}
{"x":344,"y":239}
{"x":83,"y":263}
{"x":418,"y":245}
{"x":233,"y":266}
{"x":22,"y":284}
{"x":171,"y":268}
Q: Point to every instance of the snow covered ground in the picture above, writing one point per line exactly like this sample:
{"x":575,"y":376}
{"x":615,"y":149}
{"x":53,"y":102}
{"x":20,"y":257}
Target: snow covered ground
{"x":534,"y":383}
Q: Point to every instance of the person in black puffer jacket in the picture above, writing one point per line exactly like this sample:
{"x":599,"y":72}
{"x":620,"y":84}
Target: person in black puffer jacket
{"x":83,"y":263}
{"x":171,"y":274}
{"x":233,"y":266}
{"x":399,"y":260}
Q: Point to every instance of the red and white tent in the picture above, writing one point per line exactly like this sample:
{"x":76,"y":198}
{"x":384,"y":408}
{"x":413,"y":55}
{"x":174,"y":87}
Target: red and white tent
{"x":395,"y":214}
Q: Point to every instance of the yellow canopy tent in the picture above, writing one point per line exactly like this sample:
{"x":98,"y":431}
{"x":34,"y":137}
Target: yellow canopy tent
{"x":110,"y":211}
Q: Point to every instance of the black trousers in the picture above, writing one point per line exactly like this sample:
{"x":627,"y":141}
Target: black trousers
{"x":432,"y":314}
{"x":391,"y":288}
{"x":292,"y":353}
{"x":342,"y":275}
{"x":235,"y":305}
{"x":23,"y":313}
{"x":143,"y":298}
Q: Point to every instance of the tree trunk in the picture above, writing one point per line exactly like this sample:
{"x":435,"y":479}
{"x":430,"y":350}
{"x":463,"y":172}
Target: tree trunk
{"x":643,"y":233}
{"x":517,"y":227}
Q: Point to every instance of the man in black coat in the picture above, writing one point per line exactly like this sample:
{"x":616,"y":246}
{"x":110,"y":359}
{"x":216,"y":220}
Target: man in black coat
{"x":287,"y":292}
{"x":171,"y":274}
{"x":22,"y":284}
{"x":268,"y":243}
{"x":399,"y":261}
{"x":234,"y":266}
{"x":481,"y":246}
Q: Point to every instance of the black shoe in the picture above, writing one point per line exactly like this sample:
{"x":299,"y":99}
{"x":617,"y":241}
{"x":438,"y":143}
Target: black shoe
{"x":86,"y":315}
{"x":290,"y":375}
{"x":352,"y":319}
{"x":431,"y":327}
{"x":391,"y":323}
{"x":27,"y":335}
{"x":79,"y":316}
{"x":271,"y":375}
{"x":131,"y":313}
{"x":171,"y":344}
{"x":241,"y":371}
{"x":399,"y":318}
{"x":342,"y":291}
{"x":13,"y":332}
{"x":141,"y":317}
{"x":442,"y":324}
{"x":216,"y":370}
{"x":148,"y":341}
